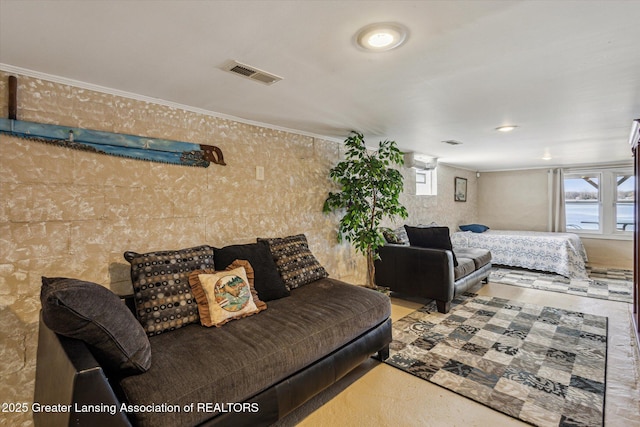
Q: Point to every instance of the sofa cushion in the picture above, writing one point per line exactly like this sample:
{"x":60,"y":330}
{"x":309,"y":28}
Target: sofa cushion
{"x":268,"y":282}
{"x":480,"y":257}
{"x":162,"y":294}
{"x":246,"y":356}
{"x":95,"y":315}
{"x":226,"y":295}
{"x":465,"y":267}
{"x":431,"y":237}
{"x":294,"y":260}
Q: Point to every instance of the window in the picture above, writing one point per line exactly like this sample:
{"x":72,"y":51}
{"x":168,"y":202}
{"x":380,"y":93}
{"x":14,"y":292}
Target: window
{"x":426,"y":182}
{"x":582,"y":201}
{"x":625,"y":196}
{"x":599,"y":202}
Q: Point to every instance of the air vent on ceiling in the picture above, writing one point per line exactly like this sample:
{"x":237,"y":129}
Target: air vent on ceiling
{"x":249,"y":72}
{"x":452,"y":142}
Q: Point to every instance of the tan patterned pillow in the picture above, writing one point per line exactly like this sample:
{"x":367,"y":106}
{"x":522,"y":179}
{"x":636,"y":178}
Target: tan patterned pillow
{"x":225,"y":295}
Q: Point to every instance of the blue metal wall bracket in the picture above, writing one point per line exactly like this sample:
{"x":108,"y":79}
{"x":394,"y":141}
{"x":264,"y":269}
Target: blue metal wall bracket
{"x":116,"y":144}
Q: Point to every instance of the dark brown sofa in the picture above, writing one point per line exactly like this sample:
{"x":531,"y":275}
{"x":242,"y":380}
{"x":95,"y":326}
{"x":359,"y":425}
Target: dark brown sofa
{"x":103,"y":366}
{"x":272,"y":362}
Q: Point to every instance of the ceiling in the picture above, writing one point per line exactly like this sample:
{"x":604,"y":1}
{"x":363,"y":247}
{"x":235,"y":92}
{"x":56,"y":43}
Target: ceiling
{"x":566,"y":72}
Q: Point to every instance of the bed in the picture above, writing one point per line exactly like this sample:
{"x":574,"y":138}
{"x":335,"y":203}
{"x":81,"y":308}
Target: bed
{"x":561,"y":253}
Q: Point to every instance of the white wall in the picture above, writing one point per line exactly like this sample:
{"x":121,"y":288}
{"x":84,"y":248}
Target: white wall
{"x":519,"y":200}
{"x":514,"y":200}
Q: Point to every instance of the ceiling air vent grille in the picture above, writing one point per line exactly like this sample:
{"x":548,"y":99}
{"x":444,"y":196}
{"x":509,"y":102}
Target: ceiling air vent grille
{"x":250,"y":72}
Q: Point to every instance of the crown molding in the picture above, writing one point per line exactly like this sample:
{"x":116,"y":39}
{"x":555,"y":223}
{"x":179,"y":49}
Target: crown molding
{"x":137,"y":97}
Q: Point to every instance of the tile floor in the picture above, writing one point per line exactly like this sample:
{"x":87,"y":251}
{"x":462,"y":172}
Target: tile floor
{"x":376,"y":394}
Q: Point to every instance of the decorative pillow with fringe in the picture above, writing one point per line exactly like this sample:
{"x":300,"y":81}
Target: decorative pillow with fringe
{"x":226,"y":295}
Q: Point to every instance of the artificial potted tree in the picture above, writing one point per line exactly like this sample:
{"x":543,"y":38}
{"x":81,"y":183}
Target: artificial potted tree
{"x":370,"y":188}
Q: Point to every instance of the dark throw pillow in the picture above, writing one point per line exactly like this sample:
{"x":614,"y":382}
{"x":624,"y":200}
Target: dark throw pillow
{"x":161,"y":290}
{"x":95,"y":315}
{"x":294,"y":260}
{"x":268,"y":283}
{"x":476,"y":228}
{"x":431,"y":237}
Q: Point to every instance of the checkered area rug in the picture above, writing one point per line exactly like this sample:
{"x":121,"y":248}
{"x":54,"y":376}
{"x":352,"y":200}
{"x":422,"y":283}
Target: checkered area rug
{"x":542,"y":365}
{"x":611,"y":284}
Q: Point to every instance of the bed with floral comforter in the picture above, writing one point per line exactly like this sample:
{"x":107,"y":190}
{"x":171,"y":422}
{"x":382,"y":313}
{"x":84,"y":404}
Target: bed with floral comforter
{"x":561,"y":253}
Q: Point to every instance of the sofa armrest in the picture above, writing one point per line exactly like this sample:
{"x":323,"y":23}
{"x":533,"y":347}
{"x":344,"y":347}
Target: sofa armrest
{"x":416,"y":271}
{"x":68,"y":375}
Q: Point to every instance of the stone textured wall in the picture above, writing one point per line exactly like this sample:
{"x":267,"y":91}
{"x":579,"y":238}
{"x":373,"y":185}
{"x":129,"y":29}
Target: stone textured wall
{"x":72,"y":213}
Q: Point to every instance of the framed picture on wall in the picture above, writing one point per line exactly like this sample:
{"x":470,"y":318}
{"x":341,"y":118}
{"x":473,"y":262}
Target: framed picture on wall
{"x":460,"y":189}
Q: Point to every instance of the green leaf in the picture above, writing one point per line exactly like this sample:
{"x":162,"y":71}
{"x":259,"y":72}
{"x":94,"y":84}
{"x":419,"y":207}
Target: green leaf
{"x":369,"y":191}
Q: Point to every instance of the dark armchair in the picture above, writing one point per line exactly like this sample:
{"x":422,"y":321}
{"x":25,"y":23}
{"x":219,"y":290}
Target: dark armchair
{"x":431,"y":273}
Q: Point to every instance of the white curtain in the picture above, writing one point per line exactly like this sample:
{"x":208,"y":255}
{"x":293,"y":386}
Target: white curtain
{"x":557,"y":216}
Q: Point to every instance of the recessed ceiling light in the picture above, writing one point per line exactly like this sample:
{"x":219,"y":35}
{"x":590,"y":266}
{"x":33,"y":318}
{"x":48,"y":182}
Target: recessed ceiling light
{"x":452,"y":142}
{"x":506,"y":128}
{"x":382,"y":36}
